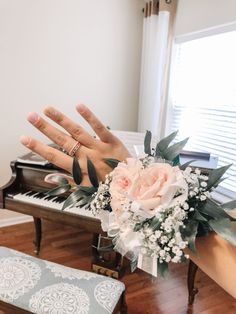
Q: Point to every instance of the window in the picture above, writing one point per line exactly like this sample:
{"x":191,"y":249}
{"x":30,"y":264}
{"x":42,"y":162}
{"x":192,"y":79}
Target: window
{"x":203,"y":99}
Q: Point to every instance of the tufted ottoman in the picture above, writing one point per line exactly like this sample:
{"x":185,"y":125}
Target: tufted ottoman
{"x":32,"y":285}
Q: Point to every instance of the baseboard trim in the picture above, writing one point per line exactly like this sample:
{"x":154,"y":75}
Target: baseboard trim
{"x":15,"y":221}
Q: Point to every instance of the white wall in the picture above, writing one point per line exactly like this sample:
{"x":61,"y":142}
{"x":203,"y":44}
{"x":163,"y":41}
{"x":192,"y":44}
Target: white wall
{"x":195,"y":15}
{"x":62,"y":52}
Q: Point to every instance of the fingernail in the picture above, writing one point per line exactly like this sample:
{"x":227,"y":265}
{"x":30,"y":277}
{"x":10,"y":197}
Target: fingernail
{"x":24,"y":140}
{"x":33,"y":117}
{"x":81,"y":108}
{"x":50,"y":111}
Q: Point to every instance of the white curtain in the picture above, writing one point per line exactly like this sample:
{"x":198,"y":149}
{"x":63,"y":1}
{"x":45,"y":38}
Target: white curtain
{"x":153,"y":68}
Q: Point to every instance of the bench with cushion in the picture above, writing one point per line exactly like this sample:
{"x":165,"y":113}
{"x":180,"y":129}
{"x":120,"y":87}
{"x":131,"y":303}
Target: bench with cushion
{"x":32,"y":285}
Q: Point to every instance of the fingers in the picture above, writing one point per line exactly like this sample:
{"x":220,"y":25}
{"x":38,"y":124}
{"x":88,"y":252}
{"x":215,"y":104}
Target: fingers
{"x":58,"y":137}
{"x":51,"y":154}
{"x":103,"y":133}
{"x":76,"y":131}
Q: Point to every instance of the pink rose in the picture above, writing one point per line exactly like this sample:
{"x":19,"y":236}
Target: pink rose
{"x":157,"y":186}
{"x":152,"y":188}
{"x":122,"y":179}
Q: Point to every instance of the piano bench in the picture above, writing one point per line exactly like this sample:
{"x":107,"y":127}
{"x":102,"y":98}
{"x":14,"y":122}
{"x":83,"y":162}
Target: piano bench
{"x":32,"y":285}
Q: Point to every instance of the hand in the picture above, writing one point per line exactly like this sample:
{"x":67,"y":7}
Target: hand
{"x":108,"y":146}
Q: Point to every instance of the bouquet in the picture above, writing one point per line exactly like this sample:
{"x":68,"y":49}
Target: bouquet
{"x":152,"y":207}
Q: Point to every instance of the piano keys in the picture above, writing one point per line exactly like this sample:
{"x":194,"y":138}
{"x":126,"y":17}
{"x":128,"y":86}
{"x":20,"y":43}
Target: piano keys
{"x":25,"y":193}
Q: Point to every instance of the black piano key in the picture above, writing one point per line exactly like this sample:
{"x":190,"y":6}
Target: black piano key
{"x":30,"y":193}
{"x":49,"y":197}
{"x":40,"y":195}
{"x":36,"y":195}
{"x":61,"y":199}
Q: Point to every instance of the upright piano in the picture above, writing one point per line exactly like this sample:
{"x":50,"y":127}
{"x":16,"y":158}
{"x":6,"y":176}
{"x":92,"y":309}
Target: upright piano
{"x":25,"y":194}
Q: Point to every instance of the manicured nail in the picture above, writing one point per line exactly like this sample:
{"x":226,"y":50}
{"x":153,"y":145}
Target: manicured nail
{"x":33,"y":117}
{"x":81,"y":108}
{"x":24,"y":140}
{"x":50,"y":111}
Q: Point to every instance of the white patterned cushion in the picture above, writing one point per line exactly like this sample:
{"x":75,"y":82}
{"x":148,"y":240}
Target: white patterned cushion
{"x":45,"y":287}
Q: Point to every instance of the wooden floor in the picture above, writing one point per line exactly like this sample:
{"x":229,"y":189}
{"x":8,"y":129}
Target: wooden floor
{"x":145,"y":295}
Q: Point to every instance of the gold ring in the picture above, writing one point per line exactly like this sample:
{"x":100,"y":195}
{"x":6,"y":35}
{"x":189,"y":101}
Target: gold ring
{"x":74,"y":149}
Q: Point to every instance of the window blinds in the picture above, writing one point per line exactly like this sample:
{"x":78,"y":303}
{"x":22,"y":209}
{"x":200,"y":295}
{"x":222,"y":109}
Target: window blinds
{"x":203,"y":98}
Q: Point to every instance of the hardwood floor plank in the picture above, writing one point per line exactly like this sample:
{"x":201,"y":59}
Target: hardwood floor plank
{"x":145,"y":294}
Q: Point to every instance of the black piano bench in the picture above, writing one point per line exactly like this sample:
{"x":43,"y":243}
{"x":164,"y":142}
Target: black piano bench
{"x":32,"y":285}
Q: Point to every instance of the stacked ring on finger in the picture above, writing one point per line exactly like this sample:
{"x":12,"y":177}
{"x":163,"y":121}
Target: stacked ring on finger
{"x":74,"y":149}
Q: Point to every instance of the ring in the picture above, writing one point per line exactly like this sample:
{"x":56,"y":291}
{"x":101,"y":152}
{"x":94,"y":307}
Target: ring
{"x":74,"y":149}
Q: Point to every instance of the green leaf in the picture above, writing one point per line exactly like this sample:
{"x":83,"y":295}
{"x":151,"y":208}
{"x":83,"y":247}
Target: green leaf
{"x":185,"y":165}
{"x":113,"y":163}
{"x":176,"y":161}
{"x":87,"y":190}
{"x":92,"y":173}
{"x":76,"y":171}
{"x":107,"y":248}
{"x":85,"y":200}
{"x":59,"y":179}
{"x":155,"y":224}
{"x":214,"y":210}
{"x":229,"y":205}
{"x":133,"y":264}
{"x":164,"y":143}
{"x":224,"y":228}
{"x":175,"y":150}
{"x":59,"y":190}
{"x":147,"y":143}
{"x":162,"y":269}
{"x":203,"y":229}
{"x":198,"y":216}
{"x":72,"y":198}
{"x":215,"y":176}
{"x":138,"y":226}
{"x":189,"y":234}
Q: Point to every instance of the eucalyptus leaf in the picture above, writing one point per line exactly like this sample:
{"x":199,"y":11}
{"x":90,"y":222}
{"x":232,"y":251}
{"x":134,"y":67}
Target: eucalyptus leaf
{"x":164,"y":143}
{"x":147,"y":143}
{"x":155,"y":224}
{"x":229,"y":205}
{"x":59,"y":190}
{"x":133,"y":264}
{"x":72,"y":198}
{"x":107,"y":248}
{"x":87,"y":190}
{"x":186,"y":164}
{"x":213,"y":210}
{"x":138,"y":226}
{"x":215,"y":176}
{"x":203,"y":229}
{"x":189,"y":234}
{"x":76,"y":171}
{"x":113,"y":163}
{"x":92,"y":173}
{"x":85,"y":200}
{"x":174,"y":150}
{"x":224,"y":228}
{"x":176,"y":161}
{"x":162,"y":269}
{"x":198,"y":216}
{"x":59,"y":179}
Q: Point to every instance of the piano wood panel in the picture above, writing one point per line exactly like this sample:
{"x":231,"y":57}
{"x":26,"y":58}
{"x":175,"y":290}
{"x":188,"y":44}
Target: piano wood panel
{"x":86,"y":223}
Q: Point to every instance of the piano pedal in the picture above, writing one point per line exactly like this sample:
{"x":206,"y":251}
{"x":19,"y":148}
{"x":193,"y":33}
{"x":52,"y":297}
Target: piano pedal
{"x":106,"y":271}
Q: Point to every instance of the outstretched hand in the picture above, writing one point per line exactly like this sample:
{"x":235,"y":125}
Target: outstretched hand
{"x":76,"y":142}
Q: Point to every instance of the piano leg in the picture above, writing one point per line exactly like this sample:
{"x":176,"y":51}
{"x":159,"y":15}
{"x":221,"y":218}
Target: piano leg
{"x":112,"y":268}
{"x":38,"y":234}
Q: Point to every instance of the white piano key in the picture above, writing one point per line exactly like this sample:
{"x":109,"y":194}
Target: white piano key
{"x":52,"y":204}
